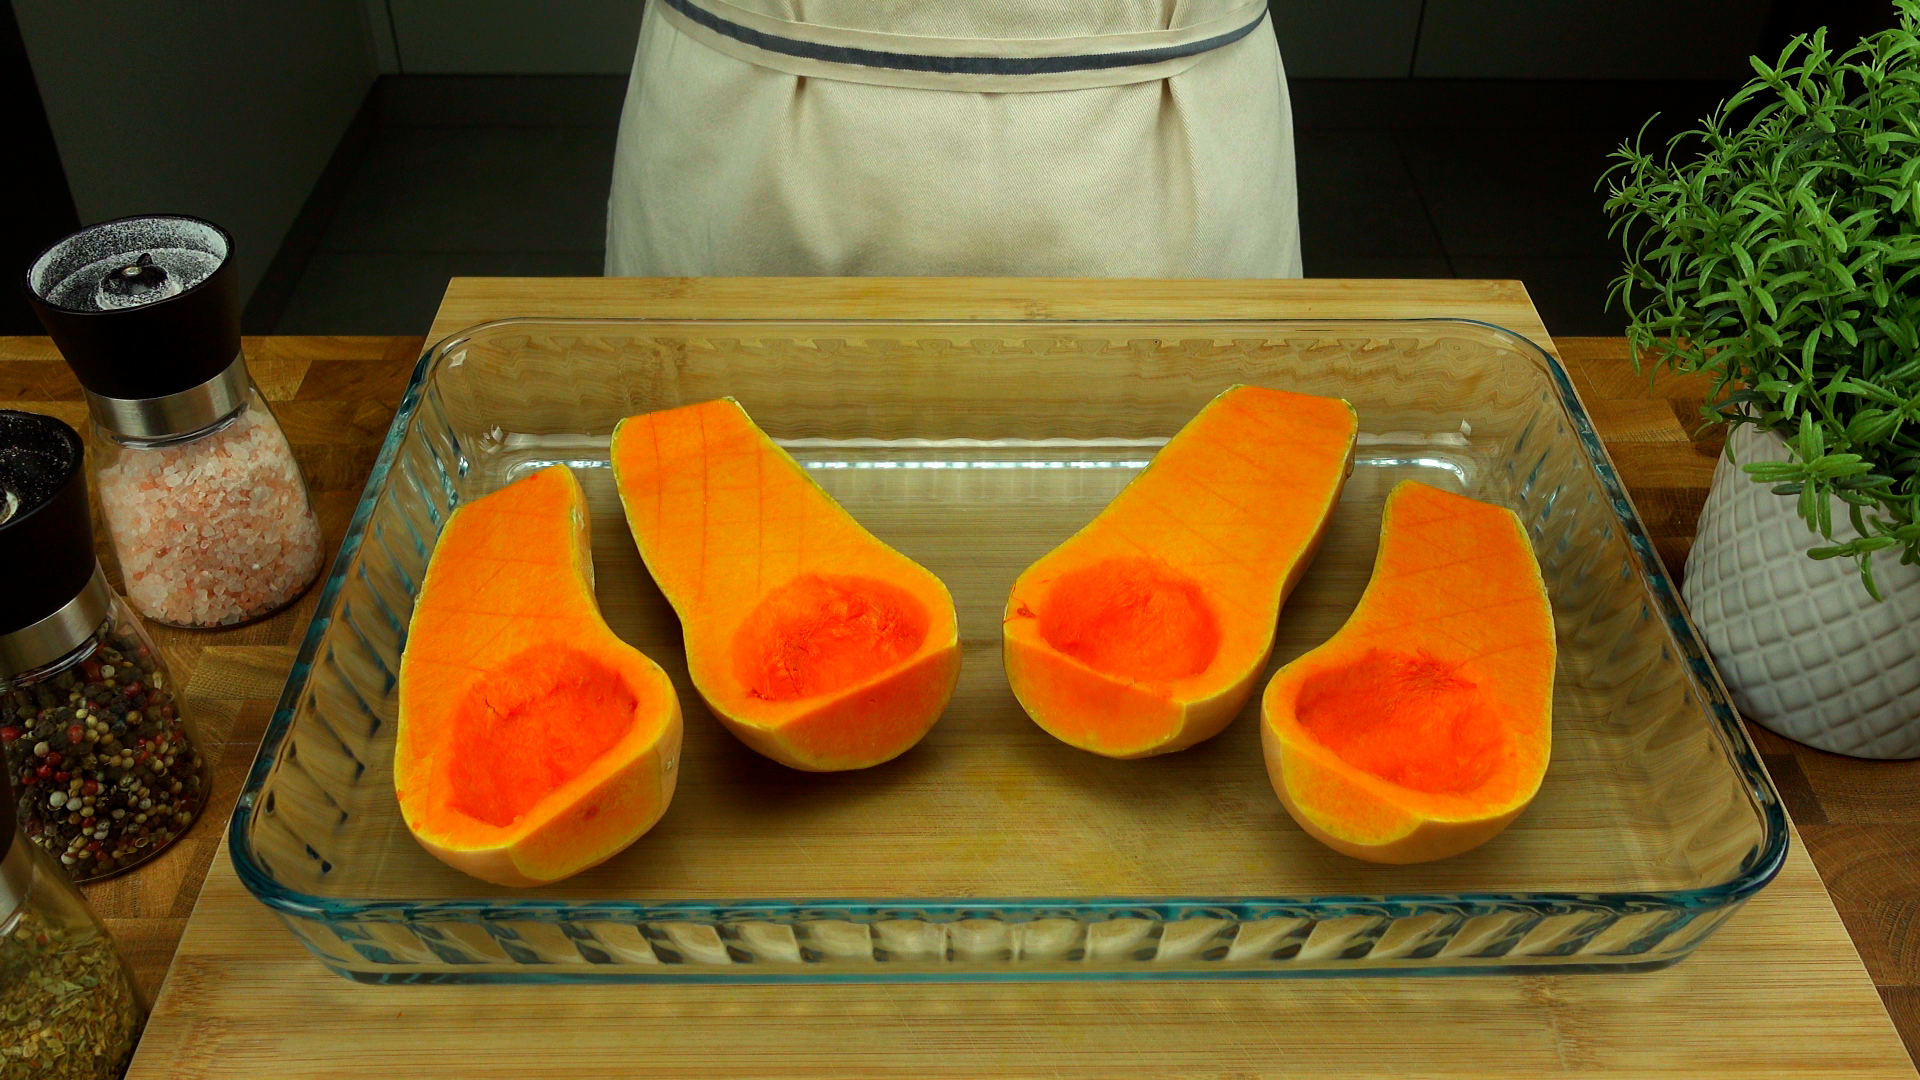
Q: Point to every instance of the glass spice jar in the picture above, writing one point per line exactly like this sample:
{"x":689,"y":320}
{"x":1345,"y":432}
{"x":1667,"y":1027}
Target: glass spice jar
{"x":213,"y":527}
{"x":109,"y":770}
{"x":106,"y":769}
{"x":208,"y":513}
{"x":68,"y":1010}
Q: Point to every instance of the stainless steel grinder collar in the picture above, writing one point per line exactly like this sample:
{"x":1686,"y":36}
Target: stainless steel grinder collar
{"x":193,"y":409}
{"x":38,"y":644}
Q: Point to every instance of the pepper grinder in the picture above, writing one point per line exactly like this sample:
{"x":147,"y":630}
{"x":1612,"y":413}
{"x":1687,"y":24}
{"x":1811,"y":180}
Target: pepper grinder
{"x":206,"y":507}
{"x":68,"y":1010}
{"x":107,"y":770}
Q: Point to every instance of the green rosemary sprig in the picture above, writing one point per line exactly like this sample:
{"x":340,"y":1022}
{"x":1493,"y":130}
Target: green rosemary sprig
{"x":1776,"y":249}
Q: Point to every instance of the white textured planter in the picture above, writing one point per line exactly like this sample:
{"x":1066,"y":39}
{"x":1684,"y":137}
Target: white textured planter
{"x":1802,"y":647}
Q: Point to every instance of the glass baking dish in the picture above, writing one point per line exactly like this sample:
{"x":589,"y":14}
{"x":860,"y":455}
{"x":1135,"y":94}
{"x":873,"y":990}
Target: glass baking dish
{"x":991,"y":850}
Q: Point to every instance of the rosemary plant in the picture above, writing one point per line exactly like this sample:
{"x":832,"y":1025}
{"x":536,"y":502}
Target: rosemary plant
{"x":1776,"y":249}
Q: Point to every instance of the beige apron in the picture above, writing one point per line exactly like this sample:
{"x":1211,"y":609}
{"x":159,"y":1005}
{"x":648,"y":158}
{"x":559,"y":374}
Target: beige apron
{"x":1099,"y":138}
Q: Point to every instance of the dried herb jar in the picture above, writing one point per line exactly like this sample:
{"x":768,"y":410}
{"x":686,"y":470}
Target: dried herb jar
{"x":106,"y":769}
{"x":68,"y":1010}
{"x":205,"y":504}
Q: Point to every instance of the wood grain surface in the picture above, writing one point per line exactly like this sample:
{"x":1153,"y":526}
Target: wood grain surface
{"x":1777,"y":992}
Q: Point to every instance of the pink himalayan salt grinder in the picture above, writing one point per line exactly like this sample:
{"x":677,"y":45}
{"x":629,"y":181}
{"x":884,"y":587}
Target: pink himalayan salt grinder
{"x":207,"y":510}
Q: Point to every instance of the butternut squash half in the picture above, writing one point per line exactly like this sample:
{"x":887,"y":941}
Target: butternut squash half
{"x":1423,"y":727}
{"x":813,"y":642}
{"x":1143,"y":633}
{"x":533,"y":743}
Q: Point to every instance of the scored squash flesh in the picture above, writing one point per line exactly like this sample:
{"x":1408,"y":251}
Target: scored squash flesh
{"x":813,"y":642}
{"x":533,"y":743}
{"x":1143,"y":633}
{"x":1423,"y":727}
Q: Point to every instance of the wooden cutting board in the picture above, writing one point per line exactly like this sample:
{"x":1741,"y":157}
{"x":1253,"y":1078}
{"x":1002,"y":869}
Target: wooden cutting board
{"x":1779,"y":991}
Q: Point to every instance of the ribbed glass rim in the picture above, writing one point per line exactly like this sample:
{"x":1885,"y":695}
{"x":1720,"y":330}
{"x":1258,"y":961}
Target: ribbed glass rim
{"x":1757,"y":870}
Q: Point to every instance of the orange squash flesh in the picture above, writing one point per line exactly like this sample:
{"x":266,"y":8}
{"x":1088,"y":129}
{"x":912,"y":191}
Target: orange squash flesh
{"x":533,"y":743}
{"x":813,"y":642}
{"x":1143,"y":633}
{"x":1424,"y":726}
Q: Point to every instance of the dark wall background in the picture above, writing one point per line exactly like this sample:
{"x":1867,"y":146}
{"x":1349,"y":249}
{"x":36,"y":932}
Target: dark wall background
{"x":1847,"y":21}
{"x":40,"y":211}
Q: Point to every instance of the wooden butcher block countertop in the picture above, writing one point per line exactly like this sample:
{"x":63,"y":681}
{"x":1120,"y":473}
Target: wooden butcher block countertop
{"x":1781,"y":990}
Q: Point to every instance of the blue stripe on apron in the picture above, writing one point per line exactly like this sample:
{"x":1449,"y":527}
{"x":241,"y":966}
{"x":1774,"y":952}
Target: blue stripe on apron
{"x":953,"y":65}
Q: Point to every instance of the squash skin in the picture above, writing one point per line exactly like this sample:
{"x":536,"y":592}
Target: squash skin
{"x":1281,"y":461}
{"x":1484,"y":618}
{"x":721,"y":559}
{"x":453,"y":654}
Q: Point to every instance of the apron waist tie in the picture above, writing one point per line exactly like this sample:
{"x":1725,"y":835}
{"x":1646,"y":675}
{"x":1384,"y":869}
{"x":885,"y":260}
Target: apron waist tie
{"x":980,"y":65}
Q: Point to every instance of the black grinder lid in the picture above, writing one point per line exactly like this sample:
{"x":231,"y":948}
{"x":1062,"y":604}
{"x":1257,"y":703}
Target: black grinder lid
{"x":46,"y":529}
{"x":141,"y":307}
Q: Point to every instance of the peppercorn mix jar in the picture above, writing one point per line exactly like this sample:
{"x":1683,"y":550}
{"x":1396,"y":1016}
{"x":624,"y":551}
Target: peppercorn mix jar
{"x":108,"y":769}
{"x":104,"y":768}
